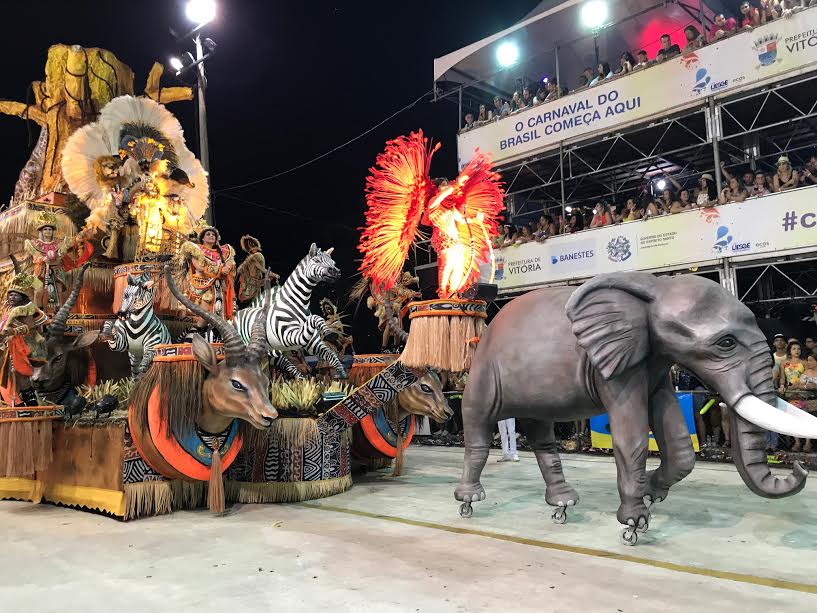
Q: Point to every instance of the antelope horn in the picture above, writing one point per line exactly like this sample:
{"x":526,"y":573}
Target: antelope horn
{"x":58,"y":327}
{"x":233,"y":345}
{"x":15,"y":264}
{"x":257,"y":347}
{"x":329,"y":251}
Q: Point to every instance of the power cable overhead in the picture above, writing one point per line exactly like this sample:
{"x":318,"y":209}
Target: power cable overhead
{"x":330,"y":152}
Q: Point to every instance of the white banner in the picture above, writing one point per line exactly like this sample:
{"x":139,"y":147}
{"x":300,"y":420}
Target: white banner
{"x":758,"y":226}
{"x":779,"y":47}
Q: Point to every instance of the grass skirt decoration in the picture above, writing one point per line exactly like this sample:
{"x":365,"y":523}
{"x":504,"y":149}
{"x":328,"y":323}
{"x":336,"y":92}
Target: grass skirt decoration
{"x":366,"y":366}
{"x":26,"y":439}
{"x":162,"y":420}
{"x":444,"y":333}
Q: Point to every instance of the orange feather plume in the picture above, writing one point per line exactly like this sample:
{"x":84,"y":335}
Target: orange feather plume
{"x":397,"y":190}
{"x":479,"y":198}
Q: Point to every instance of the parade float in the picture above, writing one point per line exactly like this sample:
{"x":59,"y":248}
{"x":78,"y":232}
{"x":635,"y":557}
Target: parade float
{"x":132,"y":383}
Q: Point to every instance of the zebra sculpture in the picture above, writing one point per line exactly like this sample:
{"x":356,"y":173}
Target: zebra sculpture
{"x":137,"y":329}
{"x":289,"y":323}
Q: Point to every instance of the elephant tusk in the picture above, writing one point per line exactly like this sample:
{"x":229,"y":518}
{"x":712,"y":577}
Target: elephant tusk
{"x":784,"y":418}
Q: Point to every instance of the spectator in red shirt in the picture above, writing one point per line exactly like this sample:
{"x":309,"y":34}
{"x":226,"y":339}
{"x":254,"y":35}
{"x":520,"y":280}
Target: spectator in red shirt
{"x":722,"y":27}
{"x":751,"y":16}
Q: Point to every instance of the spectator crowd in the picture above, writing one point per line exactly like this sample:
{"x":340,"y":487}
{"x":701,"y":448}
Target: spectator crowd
{"x":736,"y":188}
{"x":723,"y":26}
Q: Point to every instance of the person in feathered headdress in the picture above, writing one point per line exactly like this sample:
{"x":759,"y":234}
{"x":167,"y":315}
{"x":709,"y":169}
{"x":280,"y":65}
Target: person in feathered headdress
{"x":46,"y":253}
{"x":252,"y":271}
{"x":20,"y":340}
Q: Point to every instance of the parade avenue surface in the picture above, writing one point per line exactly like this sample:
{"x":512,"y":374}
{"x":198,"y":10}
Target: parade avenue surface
{"x":398,"y":544}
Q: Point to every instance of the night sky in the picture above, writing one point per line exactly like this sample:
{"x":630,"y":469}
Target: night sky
{"x":289,"y":81}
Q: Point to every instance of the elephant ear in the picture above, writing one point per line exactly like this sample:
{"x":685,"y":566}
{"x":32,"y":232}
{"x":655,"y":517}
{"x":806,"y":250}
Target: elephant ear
{"x":610,"y":320}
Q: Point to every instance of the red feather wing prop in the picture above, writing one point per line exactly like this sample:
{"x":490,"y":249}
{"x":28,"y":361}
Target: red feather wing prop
{"x":397,"y":190}
{"x":480,"y":199}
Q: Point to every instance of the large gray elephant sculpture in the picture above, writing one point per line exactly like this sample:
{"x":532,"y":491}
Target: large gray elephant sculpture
{"x":562,"y":354}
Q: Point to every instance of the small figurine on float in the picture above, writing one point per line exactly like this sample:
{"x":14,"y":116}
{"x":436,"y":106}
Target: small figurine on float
{"x":21,"y":342}
{"x":46,"y":253}
{"x":252,"y":271}
{"x":210,"y":268}
{"x":341,"y":342}
{"x":387,"y":306}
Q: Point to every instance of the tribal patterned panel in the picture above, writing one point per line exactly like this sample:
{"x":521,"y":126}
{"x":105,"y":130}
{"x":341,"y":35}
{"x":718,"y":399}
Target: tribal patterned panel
{"x":368,"y":398}
{"x":327,"y":457}
{"x":31,"y":413}
{"x":134,"y":468}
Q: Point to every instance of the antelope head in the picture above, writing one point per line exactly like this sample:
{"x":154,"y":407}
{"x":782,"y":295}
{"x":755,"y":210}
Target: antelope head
{"x":64,"y":365}
{"x":425,"y":397}
{"x":320,"y":266}
{"x":235,"y":387}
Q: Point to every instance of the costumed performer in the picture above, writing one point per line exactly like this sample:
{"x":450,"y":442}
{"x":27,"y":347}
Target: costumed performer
{"x":46,"y":253}
{"x":20,"y":340}
{"x":210,"y":272}
{"x":252,"y":271}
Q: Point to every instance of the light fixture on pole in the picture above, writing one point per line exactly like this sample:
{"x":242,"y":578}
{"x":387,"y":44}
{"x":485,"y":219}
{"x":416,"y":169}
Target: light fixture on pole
{"x":200,"y":12}
{"x":661,"y":184}
{"x":594,"y":14}
{"x":176,"y":64}
{"x":507,"y":54}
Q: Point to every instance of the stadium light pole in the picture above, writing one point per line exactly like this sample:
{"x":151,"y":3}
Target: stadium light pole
{"x":200,"y":12}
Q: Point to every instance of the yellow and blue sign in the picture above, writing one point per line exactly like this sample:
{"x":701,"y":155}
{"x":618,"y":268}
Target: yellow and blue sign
{"x":601,"y":438}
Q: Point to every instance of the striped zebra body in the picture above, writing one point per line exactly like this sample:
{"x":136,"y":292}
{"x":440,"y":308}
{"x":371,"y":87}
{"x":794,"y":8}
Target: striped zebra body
{"x":290,"y":325}
{"x":138,"y":330}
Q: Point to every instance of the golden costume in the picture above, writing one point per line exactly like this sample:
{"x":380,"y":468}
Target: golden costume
{"x":21,"y":342}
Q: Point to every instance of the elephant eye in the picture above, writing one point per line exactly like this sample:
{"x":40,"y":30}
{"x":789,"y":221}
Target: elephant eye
{"x":58,"y":358}
{"x":726,"y":342}
{"x":237,"y":385}
{"x":425,"y":388}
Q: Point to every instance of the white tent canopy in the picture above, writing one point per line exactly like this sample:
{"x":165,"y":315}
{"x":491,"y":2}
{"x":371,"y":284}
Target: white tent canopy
{"x":632,"y":25}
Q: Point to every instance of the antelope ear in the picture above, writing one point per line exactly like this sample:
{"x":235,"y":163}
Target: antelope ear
{"x":610,"y":320}
{"x":205,"y":354}
{"x":84,"y":339}
{"x":313,"y":250}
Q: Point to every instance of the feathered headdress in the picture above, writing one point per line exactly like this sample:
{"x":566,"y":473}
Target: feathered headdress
{"x":397,"y":191}
{"x":400,"y":195}
{"x":142,"y":132}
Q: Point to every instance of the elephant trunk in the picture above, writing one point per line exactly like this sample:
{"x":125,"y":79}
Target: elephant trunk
{"x":749,"y":437}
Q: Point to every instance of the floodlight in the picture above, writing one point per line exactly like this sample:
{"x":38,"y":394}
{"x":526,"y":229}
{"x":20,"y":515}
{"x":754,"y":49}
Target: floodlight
{"x":660,"y":184}
{"x":176,"y":64}
{"x":507,"y":54}
{"x":200,"y":11}
{"x":568,"y":209}
{"x":594,"y":14}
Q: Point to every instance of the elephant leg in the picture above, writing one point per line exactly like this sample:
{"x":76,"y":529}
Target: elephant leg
{"x":478,"y":434}
{"x":626,"y":402}
{"x":479,"y":414}
{"x":672,"y":435}
{"x":542,"y":438}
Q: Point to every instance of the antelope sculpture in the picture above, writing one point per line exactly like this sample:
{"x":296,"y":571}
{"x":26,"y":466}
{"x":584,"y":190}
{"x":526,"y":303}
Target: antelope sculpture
{"x":236,"y":387}
{"x":66,"y":365}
